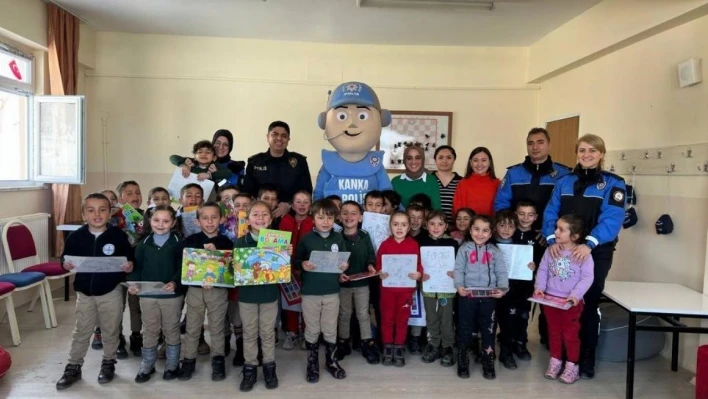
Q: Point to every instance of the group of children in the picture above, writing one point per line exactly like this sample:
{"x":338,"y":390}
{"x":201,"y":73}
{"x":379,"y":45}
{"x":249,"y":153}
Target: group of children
{"x":329,"y":300}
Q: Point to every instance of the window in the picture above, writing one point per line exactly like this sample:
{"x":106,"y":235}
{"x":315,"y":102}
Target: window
{"x":42,"y":138}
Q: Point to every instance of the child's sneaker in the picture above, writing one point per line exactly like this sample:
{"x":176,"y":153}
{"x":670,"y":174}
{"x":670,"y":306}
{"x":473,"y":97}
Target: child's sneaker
{"x":554,"y":368}
{"x":108,"y":371}
{"x":388,"y":355}
{"x":72,"y":373}
{"x":97,"y":339}
{"x":570,"y":373}
{"x":448,"y":357}
{"x":290,"y":341}
{"x":431,"y":354}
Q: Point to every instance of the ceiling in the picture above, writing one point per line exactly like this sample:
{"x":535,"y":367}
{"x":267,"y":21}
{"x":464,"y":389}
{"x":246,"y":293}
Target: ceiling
{"x":409,"y":22}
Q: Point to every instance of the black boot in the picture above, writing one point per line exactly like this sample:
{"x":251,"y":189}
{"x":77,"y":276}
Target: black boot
{"x":313,"y":362}
{"x":399,"y":360}
{"x":587,"y":364}
{"x":488,"y":366}
{"x":238,"y":356}
{"x":343,"y":348}
{"x":250,"y":375}
{"x":415,"y":346}
{"x":218,"y":368}
{"x":370,"y":351}
{"x":507,"y":358}
{"x":144,"y":377}
{"x":227,"y":344}
{"x":463,"y":362}
{"x":108,"y":371}
{"x":271,"y":379}
{"x":121,"y":353}
{"x":331,"y":362}
{"x":448,"y":357}
{"x":388,"y":355}
{"x":187,"y":369}
{"x":521,"y":351}
{"x":136,"y":344}
{"x":97,"y":339}
{"x":72,"y":373}
{"x":431,"y":354}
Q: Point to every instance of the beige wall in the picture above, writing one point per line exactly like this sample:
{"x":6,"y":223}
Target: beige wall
{"x":160,"y":94}
{"x":631,"y":98}
{"x":24,"y":21}
{"x":604,"y":28}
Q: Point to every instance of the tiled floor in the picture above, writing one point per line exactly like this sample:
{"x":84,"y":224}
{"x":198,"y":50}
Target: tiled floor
{"x":39,"y":361}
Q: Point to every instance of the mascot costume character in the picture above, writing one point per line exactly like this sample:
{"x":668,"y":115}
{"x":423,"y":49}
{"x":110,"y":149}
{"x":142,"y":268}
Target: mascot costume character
{"x":352,"y":124}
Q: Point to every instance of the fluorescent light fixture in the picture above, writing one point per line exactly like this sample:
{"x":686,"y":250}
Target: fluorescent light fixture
{"x":459,"y":4}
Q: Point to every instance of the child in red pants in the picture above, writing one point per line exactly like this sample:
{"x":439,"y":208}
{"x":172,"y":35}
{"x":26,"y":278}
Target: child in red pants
{"x":565,"y":273}
{"x":396,"y":302}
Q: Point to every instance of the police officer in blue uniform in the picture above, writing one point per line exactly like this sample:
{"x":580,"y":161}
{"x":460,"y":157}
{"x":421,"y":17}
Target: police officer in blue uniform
{"x":288,"y":171}
{"x":598,"y":197}
{"x":531,"y":181}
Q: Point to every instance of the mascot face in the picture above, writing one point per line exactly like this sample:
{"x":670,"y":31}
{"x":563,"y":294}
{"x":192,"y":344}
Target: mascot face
{"x":353,"y":120}
{"x":355,"y":128}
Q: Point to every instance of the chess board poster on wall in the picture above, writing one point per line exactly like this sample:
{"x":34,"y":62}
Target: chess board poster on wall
{"x":428,"y":129}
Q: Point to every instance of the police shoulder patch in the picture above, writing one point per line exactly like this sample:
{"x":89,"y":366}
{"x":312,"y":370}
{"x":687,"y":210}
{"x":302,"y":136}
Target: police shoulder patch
{"x":617,"y":197}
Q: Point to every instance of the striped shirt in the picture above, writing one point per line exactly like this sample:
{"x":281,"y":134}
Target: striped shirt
{"x":446,"y":195}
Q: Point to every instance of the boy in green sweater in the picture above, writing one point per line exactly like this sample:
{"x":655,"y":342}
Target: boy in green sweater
{"x":204,"y":164}
{"x":320,"y":291}
{"x":361,"y":260}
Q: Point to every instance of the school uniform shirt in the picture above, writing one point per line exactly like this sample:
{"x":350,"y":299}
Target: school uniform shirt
{"x":476,"y":192}
{"x":598,"y":197}
{"x":529,"y":182}
{"x":425,"y":240}
{"x":314,"y":283}
{"x":289,"y":173}
{"x":255,"y":293}
{"x":164,"y":264}
{"x":391,"y":247}
{"x":362,"y":256}
{"x":112,"y":242}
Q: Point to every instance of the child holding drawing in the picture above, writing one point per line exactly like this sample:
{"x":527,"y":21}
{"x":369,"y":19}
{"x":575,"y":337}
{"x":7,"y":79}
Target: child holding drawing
{"x":320,"y":291}
{"x":479,"y":263}
{"x":565,"y":277}
{"x":438,"y":305}
{"x":258,"y":308}
{"x":211,"y":300}
{"x":99,"y":296}
{"x":396,"y":301}
{"x":157,"y":259}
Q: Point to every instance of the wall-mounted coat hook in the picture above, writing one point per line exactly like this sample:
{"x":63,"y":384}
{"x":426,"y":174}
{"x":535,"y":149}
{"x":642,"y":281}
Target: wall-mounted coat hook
{"x":612,"y":168}
{"x":671,"y":168}
{"x":658,"y":154}
{"x":646,"y":155}
{"x":633,"y":169}
{"x":702,"y":169}
{"x":623,"y":156}
{"x":688,"y":153}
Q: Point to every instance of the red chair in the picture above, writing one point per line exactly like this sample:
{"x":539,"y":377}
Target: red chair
{"x":18,"y":243}
{"x":6,"y":294}
{"x":5,"y":361}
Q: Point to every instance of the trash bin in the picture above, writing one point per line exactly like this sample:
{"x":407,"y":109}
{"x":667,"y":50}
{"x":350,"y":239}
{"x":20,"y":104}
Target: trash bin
{"x":614,"y":330}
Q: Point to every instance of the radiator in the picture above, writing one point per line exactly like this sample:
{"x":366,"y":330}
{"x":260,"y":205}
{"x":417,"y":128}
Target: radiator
{"x":38,"y":224}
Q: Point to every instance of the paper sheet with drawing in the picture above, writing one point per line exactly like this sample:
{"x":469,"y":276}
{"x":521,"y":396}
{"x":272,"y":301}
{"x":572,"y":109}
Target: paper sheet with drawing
{"x":398,"y":268}
{"x":518,"y":258}
{"x":189,"y":221}
{"x":152,"y":288}
{"x":437,"y":261}
{"x":96,"y":264}
{"x":328,"y":262}
{"x":377,"y":226}
{"x":178,"y":181}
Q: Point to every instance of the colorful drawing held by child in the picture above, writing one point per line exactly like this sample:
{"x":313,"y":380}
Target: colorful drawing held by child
{"x":258,"y":266}
{"x":273,"y":238}
{"x":133,"y":223}
{"x":205,"y":267}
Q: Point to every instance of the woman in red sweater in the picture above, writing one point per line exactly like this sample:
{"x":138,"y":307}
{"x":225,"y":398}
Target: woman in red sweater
{"x":479,"y":187}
